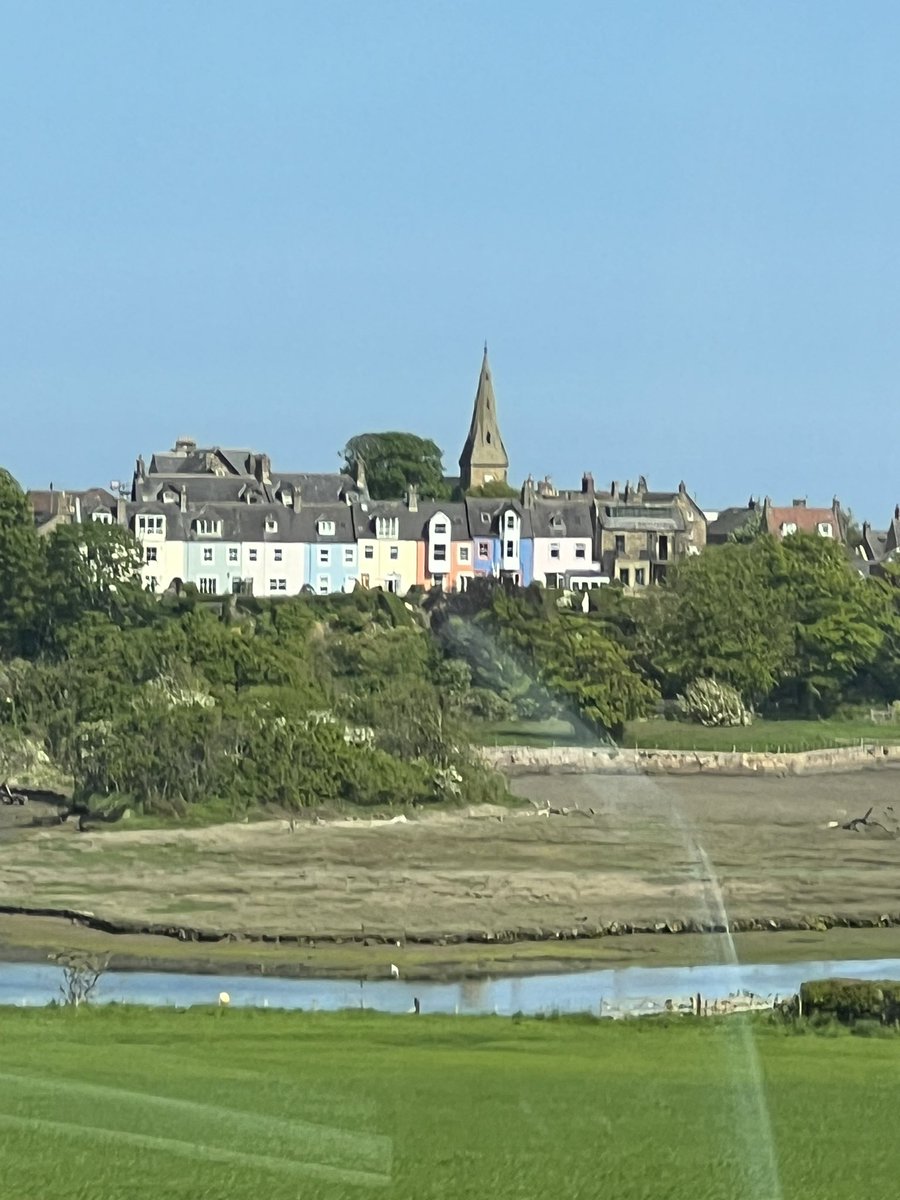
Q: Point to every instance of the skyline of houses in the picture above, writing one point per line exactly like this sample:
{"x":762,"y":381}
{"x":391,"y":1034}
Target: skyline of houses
{"x":226,"y":521}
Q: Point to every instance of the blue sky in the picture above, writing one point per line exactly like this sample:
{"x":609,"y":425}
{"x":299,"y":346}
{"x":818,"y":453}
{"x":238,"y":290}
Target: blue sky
{"x":281,"y":224}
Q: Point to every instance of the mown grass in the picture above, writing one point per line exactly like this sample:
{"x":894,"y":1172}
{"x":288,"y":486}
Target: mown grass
{"x":762,"y":735}
{"x":115,"y":1103}
{"x":660,"y":734}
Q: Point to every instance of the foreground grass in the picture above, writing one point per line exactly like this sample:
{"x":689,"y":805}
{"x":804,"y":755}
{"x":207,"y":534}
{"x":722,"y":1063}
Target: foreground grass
{"x":117,"y":1103}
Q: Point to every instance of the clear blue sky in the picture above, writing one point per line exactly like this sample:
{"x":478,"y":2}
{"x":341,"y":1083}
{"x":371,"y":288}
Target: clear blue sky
{"x":281,"y":224}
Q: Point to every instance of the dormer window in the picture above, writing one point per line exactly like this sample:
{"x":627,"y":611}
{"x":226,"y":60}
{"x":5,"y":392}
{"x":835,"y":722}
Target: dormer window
{"x":169,"y":497}
{"x":102,"y":518}
{"x":556,"y":521}
{"x":510,"y":520}
{"x":387,"y":527}
{"x":207,"y":527}
{"x":271,"y":525}
{"x":824,"y":529}
{"x":151,"y":525}
{"x":788,"y":527}
{"x":325,"y":528}
{"x":440,"y":529}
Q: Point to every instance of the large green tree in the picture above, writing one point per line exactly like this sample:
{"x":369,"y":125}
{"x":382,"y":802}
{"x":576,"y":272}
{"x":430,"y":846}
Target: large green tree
{"x":20,"y":569}
{"x":394,"y":461}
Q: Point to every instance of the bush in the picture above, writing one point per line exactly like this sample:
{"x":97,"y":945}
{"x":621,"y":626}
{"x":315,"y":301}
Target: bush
{"x":708,"y":702}
{"x":851,"y":1000}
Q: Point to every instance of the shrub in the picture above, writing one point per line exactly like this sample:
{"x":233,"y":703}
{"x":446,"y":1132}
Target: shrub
{"x":708,"y":702}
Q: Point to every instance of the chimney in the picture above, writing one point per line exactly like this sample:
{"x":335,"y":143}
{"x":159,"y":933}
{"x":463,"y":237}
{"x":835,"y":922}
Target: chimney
{"x":897,"y":512}
{"x":139,"y":468}
{"x":77,"y":510}
{"x":298,"y":499}
{"x":120,"y":510}
{"x":641,"y":484}
{"x":799,"y":502}
{"x":182,"y":499}
{"x":614,"y":490}
{"x":528,"y":492}
{"x":361,"y":482}
{"x":682,"y":487}
{"x":587,"y":484}
{"x":263,"y":470}
{"x":412,"y":498}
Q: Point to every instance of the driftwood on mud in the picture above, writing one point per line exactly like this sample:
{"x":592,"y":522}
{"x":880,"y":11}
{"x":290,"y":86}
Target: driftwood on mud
{"x":861,"y":824}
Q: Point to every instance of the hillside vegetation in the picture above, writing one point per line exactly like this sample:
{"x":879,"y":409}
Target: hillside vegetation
{"x":369,"y":699}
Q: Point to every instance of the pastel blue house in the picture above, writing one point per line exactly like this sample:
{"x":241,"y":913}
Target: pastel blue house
{"x":502,"y":540}
{"x":331,"y":555}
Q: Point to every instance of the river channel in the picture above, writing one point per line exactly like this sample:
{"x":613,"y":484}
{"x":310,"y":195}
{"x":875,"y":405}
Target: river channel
{"x":610,"y":992}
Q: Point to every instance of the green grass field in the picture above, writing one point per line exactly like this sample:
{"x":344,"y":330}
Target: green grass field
{"x":660,"y":734}
{"x":123,"y":1104}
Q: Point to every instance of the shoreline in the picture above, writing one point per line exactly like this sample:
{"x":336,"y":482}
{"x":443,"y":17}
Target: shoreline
{"x":40,"y":939}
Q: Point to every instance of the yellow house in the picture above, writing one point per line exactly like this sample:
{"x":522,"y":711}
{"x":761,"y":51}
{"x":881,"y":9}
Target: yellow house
{"x":387,"y":536}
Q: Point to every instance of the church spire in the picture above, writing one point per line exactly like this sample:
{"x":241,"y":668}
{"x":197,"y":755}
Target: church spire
{"x":483,"y":459}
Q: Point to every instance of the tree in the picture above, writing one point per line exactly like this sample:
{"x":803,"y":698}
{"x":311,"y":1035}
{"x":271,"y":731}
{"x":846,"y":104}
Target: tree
{"x":395,"y":461}
{"x":720,"y":616}
{"x":91,"y":567}
{"x":496,"y":489}
{"x":20,"y":568}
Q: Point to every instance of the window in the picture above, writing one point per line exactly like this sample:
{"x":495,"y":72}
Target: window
{"x":553,"y":580}
{"x":510,"y":520}
{"x":483,"y":550}
{"x":625,"y":577}
{"x":369,"y":552}
{"x":348,"y":556}
{"x":170,"y":497}
{"x":440,"y":528}
{"x":207,"y":553}
{"x":150,"y":553}
{"x":325,"y":528}
{"x":152,"y":525}
{"x":208,"y":528}
{"x":554,"y":549}
{"x":510,"y":549}
{"x":324,"y":555}
{"x":824,"y":529}
{"x":232,"y":554}
{"x":439,"y":552}
{"x":271,"y":525}
{"x":464,"y":554}
{"x":102,"y":518}
{"x":387,"y":527}
{"x":581,"y":550}
{"x":639,"y":576}
{"x":395,"y":552}
{"x":278,"y":554}
{"x":323,"y":585}
{"x":393,"y":583}
{"x":788,"y":527}
{"x":277,"y":585}
{"x":207,"y":585}
{"x":620,"y":543}
{"x":152,"y":583}
{"x":251,"y":554}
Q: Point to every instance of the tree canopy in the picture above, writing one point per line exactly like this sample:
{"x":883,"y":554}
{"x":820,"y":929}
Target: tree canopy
{"x":395,"y":461}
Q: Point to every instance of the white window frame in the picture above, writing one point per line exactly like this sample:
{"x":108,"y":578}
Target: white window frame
{"x":151,"y":525}
{"x":207,"y":554}
{"x":151,"y":554}
{"x":324,"y":556}
{"x":348,"y":556}
{"x":208,"y":527}
{"x":463,"y":554}
{"x":323,"y":584}
{"x":208,"y":585}
{"x":232,"y":554}
{"x":325,"y":528}
{"x":102,"y":518}
{"x":252,"y":554}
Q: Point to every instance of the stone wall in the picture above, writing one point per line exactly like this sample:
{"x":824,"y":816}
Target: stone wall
{"x":610,"y":760}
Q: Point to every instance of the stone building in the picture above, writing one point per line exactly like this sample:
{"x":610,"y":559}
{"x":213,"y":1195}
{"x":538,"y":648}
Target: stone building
{"x":640,"y":532}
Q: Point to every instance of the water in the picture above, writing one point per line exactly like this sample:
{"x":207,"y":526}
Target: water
{"x":619,"y":990}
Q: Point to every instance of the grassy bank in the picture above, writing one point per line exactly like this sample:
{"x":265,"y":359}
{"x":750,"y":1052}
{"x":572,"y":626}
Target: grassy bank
{"x":109,"y":1104}
{"x":35,"y":939}
{"x":789,"y":736}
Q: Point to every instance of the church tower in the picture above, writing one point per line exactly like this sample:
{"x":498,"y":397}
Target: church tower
{"x":483,"y":459}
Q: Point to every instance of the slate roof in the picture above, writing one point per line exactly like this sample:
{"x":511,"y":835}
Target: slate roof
{"x":729,"y":521}
{"x":484,"y":516}
{"x":575,"y":518}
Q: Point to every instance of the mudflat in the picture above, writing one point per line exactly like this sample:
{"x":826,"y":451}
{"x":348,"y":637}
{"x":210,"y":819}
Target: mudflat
{"x":627,"y":849}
